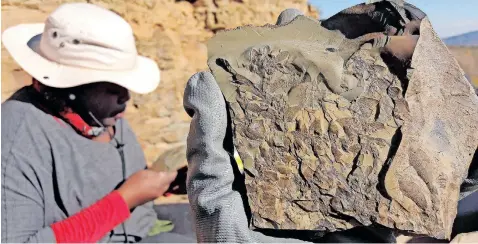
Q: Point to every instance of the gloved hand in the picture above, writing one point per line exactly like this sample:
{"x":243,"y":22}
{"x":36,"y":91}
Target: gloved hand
{"x":287,"y":16}
{"x":391,"y":25}
{"x":385,"y":16}
{"x":218,"y":207}
{"x":401,"y":47}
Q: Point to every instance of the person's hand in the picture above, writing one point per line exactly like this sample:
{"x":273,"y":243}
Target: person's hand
{"x":412,"y":28}
{"x":364,"y":18}
{"x":144,"y":186}
{"x":389,"y":17}
{"x":178,"y":186}
{"x":401,"y":47}
{"x":392,"y":26}
{"x":216,"y":202}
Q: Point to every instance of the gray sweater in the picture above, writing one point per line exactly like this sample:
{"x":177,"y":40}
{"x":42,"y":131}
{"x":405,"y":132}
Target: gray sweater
{"x":49,"y":173}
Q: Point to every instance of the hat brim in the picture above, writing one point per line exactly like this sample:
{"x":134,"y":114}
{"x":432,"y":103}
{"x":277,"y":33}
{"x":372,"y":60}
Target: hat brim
{"x":22,"y":41}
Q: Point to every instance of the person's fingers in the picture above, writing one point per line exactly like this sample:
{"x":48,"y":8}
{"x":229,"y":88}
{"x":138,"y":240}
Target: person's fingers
{"x":402,"y":47}
{"x":202,"y":90}
{"x":358,"y":20}
{"x":288,"y":15}
{"x":164,"y":180}
{"x":391,"y":30}
{"x":412,"y":27}
{"x":377,"y":39}
{"x":204,"y":102}
{"x":167,"y":177}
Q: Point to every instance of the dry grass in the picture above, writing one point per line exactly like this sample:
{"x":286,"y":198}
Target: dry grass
{"x":467,"y":57}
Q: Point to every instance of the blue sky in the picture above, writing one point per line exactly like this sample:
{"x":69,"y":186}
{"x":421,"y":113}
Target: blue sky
{"x":448,"y":17}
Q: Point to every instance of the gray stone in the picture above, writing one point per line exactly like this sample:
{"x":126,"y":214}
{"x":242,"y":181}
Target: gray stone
{"x":330,"y":137}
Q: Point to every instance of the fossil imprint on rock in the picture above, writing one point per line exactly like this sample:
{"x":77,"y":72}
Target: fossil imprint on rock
{"x":330,"y":138}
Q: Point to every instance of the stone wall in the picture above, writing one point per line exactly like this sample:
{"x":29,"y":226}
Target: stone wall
{"x":171,"y":32}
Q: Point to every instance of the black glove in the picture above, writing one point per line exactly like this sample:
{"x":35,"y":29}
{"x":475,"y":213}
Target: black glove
{"x":390,"y":17}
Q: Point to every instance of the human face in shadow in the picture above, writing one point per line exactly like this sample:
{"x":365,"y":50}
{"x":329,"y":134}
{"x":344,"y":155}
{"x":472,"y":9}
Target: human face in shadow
{"x":105,"y":100}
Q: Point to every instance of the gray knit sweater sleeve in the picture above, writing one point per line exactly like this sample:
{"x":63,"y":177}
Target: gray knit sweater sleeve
{"x":23,"y":170}
{"x":218,"y":209}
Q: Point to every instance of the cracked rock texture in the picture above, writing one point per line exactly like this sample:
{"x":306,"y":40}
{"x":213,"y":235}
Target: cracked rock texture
{"x":173,"y":33}
{"x":331,"y":141}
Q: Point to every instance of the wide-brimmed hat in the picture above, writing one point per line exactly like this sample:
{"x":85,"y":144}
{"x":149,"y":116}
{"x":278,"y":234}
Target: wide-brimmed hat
{"x":78,"y":44}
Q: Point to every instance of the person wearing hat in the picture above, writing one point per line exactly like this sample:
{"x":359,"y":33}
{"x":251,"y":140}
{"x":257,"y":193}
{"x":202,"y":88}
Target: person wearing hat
{"x":72,"y":168}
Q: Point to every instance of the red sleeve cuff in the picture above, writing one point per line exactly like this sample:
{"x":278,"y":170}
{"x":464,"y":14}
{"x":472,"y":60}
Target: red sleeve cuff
{"x":94,"y":222}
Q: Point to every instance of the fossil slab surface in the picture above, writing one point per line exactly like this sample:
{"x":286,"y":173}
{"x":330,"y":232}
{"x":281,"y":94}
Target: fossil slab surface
{"x":331,"y":139}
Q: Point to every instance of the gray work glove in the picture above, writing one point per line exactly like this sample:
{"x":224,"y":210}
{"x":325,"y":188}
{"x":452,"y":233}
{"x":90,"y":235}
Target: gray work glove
{"x":219,"y":213}
{"x":287,"y":16}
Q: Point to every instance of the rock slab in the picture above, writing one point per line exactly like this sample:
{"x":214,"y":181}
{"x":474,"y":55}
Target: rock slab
{"x":331,"y":138}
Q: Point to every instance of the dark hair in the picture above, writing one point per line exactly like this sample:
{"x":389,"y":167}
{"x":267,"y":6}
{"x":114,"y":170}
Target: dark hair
{"x":56,"y":99}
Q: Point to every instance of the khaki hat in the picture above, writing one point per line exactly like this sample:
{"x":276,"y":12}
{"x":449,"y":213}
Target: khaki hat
{"x":79,"y":44}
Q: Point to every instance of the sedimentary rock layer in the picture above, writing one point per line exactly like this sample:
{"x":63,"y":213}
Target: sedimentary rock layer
{"x":331,"y":138}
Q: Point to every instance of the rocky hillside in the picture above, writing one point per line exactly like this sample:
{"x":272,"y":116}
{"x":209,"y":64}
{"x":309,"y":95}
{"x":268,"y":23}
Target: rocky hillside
{"x":174,"y":34}
{"x":469,"y":39}
{"x":467,"y":57}
{"x":465,"y":49}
